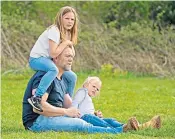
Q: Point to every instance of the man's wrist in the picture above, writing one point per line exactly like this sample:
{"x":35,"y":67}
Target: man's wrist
{"x":64,"y":111}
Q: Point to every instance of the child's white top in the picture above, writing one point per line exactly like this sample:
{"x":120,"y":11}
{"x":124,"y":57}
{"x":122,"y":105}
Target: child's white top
{"x":41,"y":47}
{"x":83,"y":102}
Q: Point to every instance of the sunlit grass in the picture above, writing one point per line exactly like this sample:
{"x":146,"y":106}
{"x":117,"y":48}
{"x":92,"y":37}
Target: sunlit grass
{"x":120,"y":98}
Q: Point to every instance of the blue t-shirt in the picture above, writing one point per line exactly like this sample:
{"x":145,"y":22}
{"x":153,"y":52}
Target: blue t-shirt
{"x":56,"y":93}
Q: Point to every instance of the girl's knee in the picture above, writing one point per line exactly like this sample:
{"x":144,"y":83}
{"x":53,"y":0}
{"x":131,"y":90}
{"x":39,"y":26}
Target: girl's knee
{"x":54,"y":70}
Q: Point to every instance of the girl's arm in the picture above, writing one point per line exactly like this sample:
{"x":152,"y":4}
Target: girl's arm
{"x":55,"y":49}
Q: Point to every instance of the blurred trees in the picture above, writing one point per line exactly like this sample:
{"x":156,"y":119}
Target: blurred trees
{"x":115,"y":13}
{"x":135,"y":36}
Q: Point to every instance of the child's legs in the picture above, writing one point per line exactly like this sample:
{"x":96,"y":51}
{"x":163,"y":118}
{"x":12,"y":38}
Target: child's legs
{"x":47,"y":65}
{"x":70,"y":78}
{"x":95,"y":120}
{"x":113,"y":122}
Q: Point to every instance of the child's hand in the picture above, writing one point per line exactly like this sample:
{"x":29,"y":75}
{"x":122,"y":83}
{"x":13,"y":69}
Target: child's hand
{"x":73,"y":50}
{"x":98,"y":113}
{"x":68,"y":43}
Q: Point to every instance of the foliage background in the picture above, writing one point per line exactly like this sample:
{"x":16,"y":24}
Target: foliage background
{"x":116,"y":39}
{"x":131,"y":36}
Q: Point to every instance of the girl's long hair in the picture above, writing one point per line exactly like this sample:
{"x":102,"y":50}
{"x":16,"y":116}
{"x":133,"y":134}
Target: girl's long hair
{"x":59,"y":23}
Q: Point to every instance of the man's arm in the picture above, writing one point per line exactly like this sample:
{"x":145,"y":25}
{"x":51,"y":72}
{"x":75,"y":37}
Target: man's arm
{"x":67,"y":101}
{"x":49,"y":110}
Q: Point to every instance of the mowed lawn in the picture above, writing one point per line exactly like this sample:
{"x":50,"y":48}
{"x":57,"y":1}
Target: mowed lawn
{"x":120,"y":98}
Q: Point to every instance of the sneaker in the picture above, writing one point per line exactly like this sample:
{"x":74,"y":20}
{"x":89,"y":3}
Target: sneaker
{"x":155,"y":122}
{"x":35,"y":101}
{"x":132,"y":124}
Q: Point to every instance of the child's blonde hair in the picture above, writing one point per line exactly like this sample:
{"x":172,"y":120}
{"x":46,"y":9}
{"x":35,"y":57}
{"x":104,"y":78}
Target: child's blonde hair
{"x":59,"y":23}
{"x":90,"y":79}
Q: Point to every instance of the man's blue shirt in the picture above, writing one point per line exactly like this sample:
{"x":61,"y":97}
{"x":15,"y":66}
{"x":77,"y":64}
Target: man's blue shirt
{"x":56,"y":93}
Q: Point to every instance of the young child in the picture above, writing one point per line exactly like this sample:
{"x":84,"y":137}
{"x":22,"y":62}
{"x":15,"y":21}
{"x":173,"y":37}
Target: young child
{"x":83,"y":102}
{"x":49,"y":45}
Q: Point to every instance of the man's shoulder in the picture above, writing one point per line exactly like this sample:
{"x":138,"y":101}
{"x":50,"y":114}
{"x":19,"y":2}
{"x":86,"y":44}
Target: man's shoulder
{"x":38,"y":74}
{"x":36,"y":77}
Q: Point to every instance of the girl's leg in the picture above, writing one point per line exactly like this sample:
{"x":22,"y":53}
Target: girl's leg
{"x":112,"y":122}
{"x":64,"y":123}
{"x":70,"y":79}
{"x":47,"y":65}
{"x":95,"y":120}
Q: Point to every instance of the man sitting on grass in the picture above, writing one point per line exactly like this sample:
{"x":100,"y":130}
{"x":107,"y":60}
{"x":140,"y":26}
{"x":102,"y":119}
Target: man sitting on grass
{"x":56,"y":115}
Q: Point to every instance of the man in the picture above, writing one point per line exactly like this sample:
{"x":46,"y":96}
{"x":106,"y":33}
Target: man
{"x":54,"y":116}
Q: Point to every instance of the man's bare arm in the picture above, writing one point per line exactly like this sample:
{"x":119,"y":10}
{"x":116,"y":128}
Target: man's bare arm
{"x":67,"y":101}
{"x":49,"y":110}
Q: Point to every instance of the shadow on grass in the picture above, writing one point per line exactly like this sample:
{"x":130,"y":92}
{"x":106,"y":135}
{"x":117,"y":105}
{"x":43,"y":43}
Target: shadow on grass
{"x":13,"y":130}
{"x":154,"y":133}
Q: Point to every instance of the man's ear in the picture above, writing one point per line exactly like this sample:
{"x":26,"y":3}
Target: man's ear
{"x":55,"y":59}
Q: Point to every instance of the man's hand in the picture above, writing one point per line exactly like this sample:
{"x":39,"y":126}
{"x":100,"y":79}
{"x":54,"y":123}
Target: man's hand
{"x":98,"y":113}
{"x":72,"y":112}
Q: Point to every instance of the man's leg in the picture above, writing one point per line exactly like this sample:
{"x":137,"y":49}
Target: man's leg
{"x":70,"y":79}
{"x":63,"y":123}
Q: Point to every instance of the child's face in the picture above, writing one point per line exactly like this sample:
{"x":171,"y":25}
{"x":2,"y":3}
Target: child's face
{"x":93,"y":88}
{"x":68,"y":20}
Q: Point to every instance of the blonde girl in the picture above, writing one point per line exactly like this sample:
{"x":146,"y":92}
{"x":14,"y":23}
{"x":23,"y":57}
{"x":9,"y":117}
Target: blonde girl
{"x":49,"y":45}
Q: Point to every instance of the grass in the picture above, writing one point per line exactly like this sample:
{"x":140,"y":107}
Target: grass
{"x":120,"y":98}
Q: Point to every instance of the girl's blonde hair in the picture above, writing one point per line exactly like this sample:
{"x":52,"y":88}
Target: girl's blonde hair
{"x":59,"y":23}
{"x":90,"y":79}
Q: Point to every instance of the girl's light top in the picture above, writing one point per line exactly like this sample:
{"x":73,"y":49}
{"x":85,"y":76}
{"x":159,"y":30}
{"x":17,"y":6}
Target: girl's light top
{"x":83,"y":102}
{"x":41,"y":47}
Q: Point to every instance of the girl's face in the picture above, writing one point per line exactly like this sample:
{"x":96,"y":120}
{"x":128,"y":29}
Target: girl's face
{"x":68,"y":20}
{"x":93,"y":88}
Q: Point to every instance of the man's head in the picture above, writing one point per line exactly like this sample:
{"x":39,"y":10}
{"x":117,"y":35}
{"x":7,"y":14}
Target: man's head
{"x":64,"y":60}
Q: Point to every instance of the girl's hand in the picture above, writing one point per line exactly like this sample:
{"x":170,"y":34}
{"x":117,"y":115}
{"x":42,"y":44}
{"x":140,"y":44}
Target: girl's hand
{"x":99,"y":114}
{"x":68,"y":43}
{"x":73,"y":50}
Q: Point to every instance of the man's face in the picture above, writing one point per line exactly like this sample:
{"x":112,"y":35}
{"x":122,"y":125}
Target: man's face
{"x":65,"y":59}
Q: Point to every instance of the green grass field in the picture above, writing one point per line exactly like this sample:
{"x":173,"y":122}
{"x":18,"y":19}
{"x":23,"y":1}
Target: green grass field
{"x":120,"y":98}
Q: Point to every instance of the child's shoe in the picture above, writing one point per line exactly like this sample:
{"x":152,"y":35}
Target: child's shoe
{"x":155,"y":122}
{"x":35,"y":101}
{"x":132,"y":124}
